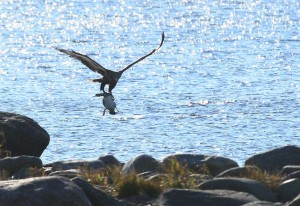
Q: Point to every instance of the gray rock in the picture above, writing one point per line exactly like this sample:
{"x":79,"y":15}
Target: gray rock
{"x":46,"y":191}
{"x":14,"y":164}
{"x":47,"y":170}
{"x":192,"y":161}
{"x":180,"y":197}
{"x":28,"y":172}
{"x":275,"y":160}
{"x":253,"y":187}
{"x":292,"y":176}
{"x":72,"y":173}
{"x":96,"y":196}
{"x":294,"y":202}
{"x":290,"y":169}
{"x":110,"y":160}
{"x":214,"y":164}
{"x":22,"y":174}
{"x":288,"y":190}
{"x":67,"y":165}
{"x":218,"y":164}
{"x":239,"y":171}
{"x":22,"y":135}
{"x":142,"y":163}
{"x":264,"y":203}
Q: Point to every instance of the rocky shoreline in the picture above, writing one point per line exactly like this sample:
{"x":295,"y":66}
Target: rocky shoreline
{"x":265,"y":179}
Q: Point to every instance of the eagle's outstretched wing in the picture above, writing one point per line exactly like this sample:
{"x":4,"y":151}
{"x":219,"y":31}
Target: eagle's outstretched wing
{"x":140,"y":59}
{"x":87,"y":61}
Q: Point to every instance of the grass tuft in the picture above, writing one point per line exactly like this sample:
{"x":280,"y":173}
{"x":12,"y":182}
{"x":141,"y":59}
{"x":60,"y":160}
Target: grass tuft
{"x":270,"y":179}
{"x":3,"y":152}
{"x":113,"y":181}
{"x":178,"y":176}
{"x":131,"y":185}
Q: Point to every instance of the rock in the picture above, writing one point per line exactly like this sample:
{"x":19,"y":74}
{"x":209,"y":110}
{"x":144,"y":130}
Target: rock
{"x":139,"y":200}
{"x":96,"y":196}
{"x":47,"y":170}
{"x":28,"y":172}
{"x":110,"y":160}
{"x":180,"y":197}
{"x":253,"y":187}
{"x":294,"y":202}
{"x":22,"y":135}
{"x":263,"y":203}
{"x":214,"y":164}
{"x":288,"y":190}
{"x":239,"y":171}
{"x":142,"y":163}
{"x":292,"y":176}
{"x":290,"y":169}
{"x":13,"y":164}
{"x":275,"y":160}
{"x":67,"y":165}
{"x":46,"y":191}
{"x":192,"y":161}
{"x":22,"y":174}
{"x":217,"y":164}
{"x":72,"y":173}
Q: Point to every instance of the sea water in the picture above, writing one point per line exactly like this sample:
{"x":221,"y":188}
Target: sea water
{"x":226,"y":81}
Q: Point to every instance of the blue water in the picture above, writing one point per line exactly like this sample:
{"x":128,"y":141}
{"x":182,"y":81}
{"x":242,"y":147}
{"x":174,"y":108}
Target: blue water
{"x":226,"y":81}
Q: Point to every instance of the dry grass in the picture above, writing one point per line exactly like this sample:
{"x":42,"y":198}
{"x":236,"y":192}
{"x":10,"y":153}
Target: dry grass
{"x":130,"y":185}
{"x":113,"y":181}
{"x":121,"y":185}
{"x":116,"y":183}
{"x":3,"y":152}
{"x":178,"y":176}
{"x":4,"y":175}
{"x":36,"y":172}
{"x":272,"y":180}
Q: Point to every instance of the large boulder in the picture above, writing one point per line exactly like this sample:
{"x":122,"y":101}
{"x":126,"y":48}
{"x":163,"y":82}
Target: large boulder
{"x":21,"y":135}
{"x":142,"y":163}
{"x":96,"y":196}
{"x":179,"y":197}
{"x":10,"y":165}
{"x":275,"y":160}
{"x":253,"y":187}
{"x":288,"y":190}
{"x":110,"y":160}
{"x":218,"y":164}
{"x":46,"y":191}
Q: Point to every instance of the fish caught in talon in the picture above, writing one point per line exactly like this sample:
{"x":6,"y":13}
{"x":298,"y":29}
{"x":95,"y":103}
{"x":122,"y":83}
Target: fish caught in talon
{"x":109,"y":77}
{"x":108,"y":102}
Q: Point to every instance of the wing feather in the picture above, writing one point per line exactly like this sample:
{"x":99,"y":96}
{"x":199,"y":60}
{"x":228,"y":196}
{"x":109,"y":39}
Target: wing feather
{"x":87,"y":61}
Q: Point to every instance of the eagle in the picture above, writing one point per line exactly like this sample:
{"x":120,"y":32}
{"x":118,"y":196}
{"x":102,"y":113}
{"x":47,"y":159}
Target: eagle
{"x":109,"y":77}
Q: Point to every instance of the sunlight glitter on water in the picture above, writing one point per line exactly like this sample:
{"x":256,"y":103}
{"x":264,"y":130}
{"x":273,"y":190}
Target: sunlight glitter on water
{"x":225,"y":81}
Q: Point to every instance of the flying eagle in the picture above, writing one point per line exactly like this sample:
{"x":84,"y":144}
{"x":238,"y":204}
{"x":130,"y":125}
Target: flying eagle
{"x":109,"y":77}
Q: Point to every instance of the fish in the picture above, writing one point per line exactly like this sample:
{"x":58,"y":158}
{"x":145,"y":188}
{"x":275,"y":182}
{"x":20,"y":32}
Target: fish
{"x":108,"y":103}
